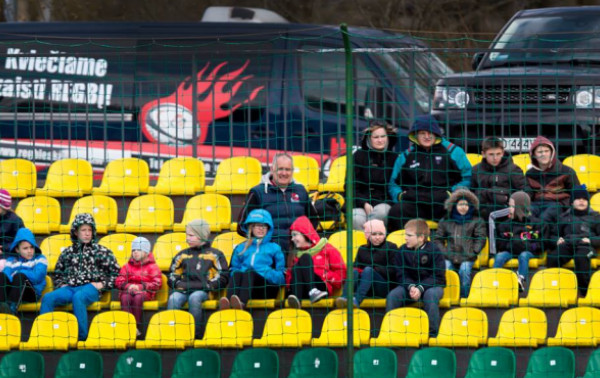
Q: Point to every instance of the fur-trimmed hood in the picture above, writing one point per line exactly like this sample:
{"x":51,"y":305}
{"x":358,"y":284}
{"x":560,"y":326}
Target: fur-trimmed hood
{"x":458,"y":194}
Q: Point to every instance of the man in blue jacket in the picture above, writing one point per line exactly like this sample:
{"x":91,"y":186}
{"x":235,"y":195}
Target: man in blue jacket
{"x":424,"y":175}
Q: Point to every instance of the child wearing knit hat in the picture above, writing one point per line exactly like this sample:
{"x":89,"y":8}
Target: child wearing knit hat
{"x":10,"y":223}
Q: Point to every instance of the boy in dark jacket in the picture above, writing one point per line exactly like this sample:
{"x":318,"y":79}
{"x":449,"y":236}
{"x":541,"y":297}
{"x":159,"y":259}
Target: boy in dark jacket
{"x":373,"y":265}
{"x":420,"y":274}
{"x":83,"y":271}
{"x":578,"y":238}
{"x":10,"y":223}
{"x":461,"y":235}
{"x":495,"y":178}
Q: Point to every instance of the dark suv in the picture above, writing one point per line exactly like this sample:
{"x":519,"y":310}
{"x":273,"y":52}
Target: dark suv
{"x":541,"y":76}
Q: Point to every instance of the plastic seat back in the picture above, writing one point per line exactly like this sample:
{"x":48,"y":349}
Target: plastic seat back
{"x":578,"y":326}
{"x":432,"y":362}
{"x":593,"y":366}
{"x":315,"y":363}
{"x":236,"y":175}
{"x":551,"y":362}
{"x":286,"y":328}
{"x":204,"y":363}
{"x":52,"y":331}
{"x":306,"y":171}
{"x":451,"y":295}
{"x":213,"y":208}
{"x":226,"y":243}
{"x":169,"y":329}
{"x":24,"y":364}
{"x":166,"y":247}
{"x":40,"y":214}
{"x":255,"y":363}
{"x":403,"y":327}
{"x":336,"y":180}
{"x":52,"y":247}
{"x":339,"y":241}
{"x":522,"y":161}
{"x":227,"y":329}
{"x":103,"y":208}
{"x":180,"y":176}
{"x":140,"y":364}
{"x":120,"y":245}
{"x":462,"y":327}
{"x":111,"y":330}
{"x":68,"y":178}
{"x":592,"y":298}
{"x":554,"y":287}
{"x":124,"y":177}
{"x":10,"y":332}
{"x":521,"y":327}
{"x":335,"y":329}
{"x":495,"y":362}
{"x":80,"y":363}
{"x":587,"y":168}
{"x":595,"y":202}
{"x":493,"y":288}
{"x":397,"y":237}
{"x":149,"y":213}
{"x":18,"y":176}
{"x":375,"y":363}
{"x":474,"y":159}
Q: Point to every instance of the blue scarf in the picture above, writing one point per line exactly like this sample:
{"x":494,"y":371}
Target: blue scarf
{"x":462,"y":219}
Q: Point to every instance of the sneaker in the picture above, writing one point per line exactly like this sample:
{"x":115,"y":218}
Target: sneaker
{"x":341,"y":302}
{"x":521,"y":280}
{"x":316,"y":295}
{"x":236,"y":303}
{"x":224,"y":304}
{"x":293,"y":301}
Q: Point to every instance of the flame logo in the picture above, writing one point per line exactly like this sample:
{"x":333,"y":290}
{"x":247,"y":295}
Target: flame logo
{"x":170,"y":119}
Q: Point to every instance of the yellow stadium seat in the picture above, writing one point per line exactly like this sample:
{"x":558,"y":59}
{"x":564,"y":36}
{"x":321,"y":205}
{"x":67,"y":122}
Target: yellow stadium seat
{"x":103,"y":208}
{"x":474,"y":159}
{"x":484,"y":256}
{"x":462,"y":327}
{"x":592,"y":297}
{"x":52,"y":331}
{"x":227,"y":329}
{"x":493,"y":288}
{"x":397,"y":237}
{"x":339,"y":241}
{"x":554,"y":287}
{"x":521,"y":327}
{"x":336,"y":180}
{"x":578,"y":326}
{"x":451,"y":295}
{"x":226,"y":242}
{"x":286,"y":328}
{"x":403,"y":327}
{"x":149,"y":213}
{"x":68,"y":178}
{"x":10,"y":332}
{"x":236,"y":175}
{"x":166,"y":247}
{"x":169,"y":329}
{"x":111,"y":330}
{"x":335,"y":329}
{"x":534,"y":262}
{"x":306,"y":171}
{"x":124,"y":177}
{"x":35,"y":306}
{"x":587,"y":168}
{"x":522,"y":161}
{"x":52,"y":247}
{"x":267,"y":303}
{"x":40,"y":214}
{"x":120,"y":245}
{"x":595,"y":202}
{"x":182,"y":176}
{"x":159,"y":302}
{"x":18,"y":176}
{"x":213,"y":208}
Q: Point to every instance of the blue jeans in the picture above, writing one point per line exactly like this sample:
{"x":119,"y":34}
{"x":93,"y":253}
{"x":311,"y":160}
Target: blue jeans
{"x":431,"y":302}
{"x":177,"y":299}
{"x":524,"y":257}
{"x":80,"y":296}
{"x":464,"y":272}
{"x":365,"y":281}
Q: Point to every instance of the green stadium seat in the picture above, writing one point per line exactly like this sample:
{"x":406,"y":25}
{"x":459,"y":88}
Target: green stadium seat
{"x":204,"y":363}
{"x":80,"y":363}
{"x":551,"y":362}
{"x":494,"y":362}
{"x":314,"y":363}
{"x":593,"y":366}
{"x":139,"y":364}
{"x":255,"y":363}
{"x":375,"y":363}
{"x":22,"y":364}
{"x":432,"y":362}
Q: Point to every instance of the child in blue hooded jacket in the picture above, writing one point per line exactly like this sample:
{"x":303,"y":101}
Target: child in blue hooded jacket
{"x":257,"y":266}
{"x":24,"y":275}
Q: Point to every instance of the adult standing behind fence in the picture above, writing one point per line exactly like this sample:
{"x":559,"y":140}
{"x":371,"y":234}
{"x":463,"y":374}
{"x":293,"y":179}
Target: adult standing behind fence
{"x":283,"y":198}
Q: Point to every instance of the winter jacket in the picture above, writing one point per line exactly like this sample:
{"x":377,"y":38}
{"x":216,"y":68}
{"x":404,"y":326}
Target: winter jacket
{"x":10,"y":223}
{"x":199,"y":268}
{"x":423,"y":267}
{"x":461,"y":241}
{"x":328,"y":263}
{"x":35,"y":269}
{"x":494,"y":185}
{"x":262,"y":256}
{"x":373,"y":172}
{"x":516,"y":236}
{"x":380,"y":258}
{"x":426,"y":175}
{"x":81,"y":264}
{"x":145,"y":273}
{"x":555,"y":183}
{"x":574,"y":226}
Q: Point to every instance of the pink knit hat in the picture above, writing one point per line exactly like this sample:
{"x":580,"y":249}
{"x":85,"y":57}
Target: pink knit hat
{"x":374,"y":225}
{"x":5,"y":199}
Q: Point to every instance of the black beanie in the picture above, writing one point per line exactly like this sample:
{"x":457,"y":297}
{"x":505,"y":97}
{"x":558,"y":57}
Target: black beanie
{"x":580,"y":192}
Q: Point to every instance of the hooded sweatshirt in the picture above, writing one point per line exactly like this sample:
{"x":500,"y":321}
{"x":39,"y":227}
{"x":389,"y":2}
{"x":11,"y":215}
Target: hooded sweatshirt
{"x":328,"y":263}
{"x":199,"y":268}
{"x":145,"y":273}
{"x":262,"y":256}
{"x":35,"y":269}
{"x":461,"y":238}
{"x":554,"y":184}
{"x":84,"y":263}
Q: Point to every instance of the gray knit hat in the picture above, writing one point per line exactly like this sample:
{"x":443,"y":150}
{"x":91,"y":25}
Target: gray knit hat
{"x":200,"y":228}
{"x":140,"y":244}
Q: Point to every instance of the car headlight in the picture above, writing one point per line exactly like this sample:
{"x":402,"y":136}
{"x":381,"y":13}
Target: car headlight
{"x":450,"y":97}
{"x":587,"y":97}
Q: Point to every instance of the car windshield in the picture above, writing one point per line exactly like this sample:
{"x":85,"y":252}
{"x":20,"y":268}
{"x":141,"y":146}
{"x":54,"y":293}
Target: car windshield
{"x":548,"y":40}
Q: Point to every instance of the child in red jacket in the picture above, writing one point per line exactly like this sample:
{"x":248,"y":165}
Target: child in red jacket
{"x":317,"y":269}
{"x":139,"y":280}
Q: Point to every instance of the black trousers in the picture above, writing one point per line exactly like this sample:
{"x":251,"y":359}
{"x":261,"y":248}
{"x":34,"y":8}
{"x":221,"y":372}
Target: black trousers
{"x":304,"y":278}
{"x":402,"y":212}
{"x":250,"y":285}
{"x":11,"y":291}
{"x":579,"y":253}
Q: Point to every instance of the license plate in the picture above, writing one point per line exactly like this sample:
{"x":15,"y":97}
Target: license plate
{"x":517,"y":144}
